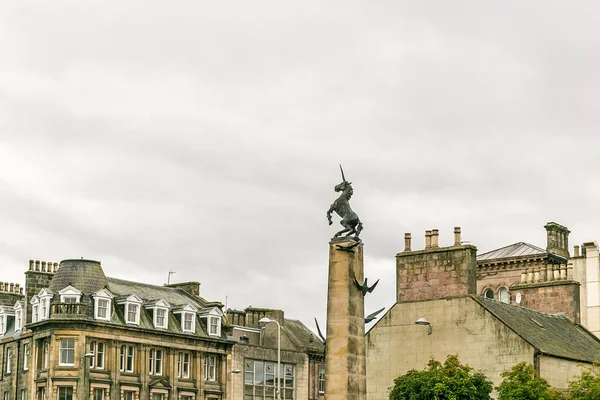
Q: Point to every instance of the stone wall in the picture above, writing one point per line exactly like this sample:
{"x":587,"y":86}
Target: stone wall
{"x":436,"y":272}
{"x":459,"y":326}
{"x":558,"y":372}
{"x":38,"y":276}
{"x":550,"y":297}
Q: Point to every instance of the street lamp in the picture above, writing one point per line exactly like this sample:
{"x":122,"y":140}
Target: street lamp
{"x":266,"y":320}
{"x":423,"y":321}
{"x":86,"y":367}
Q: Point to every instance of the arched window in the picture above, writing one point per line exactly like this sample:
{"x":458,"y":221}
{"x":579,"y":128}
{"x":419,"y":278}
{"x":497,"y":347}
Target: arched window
{"x":503,"y":295}
{"x":489,"y":293}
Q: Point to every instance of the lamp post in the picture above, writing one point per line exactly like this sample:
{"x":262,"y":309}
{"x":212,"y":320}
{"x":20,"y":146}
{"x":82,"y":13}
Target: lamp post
{"x":86,"y":367}
{"x":266,"y":320}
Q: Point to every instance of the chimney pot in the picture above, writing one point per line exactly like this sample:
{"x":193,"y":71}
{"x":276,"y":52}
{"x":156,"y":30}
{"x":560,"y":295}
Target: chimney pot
{"x":31,"y":265}
{"x":427,"y":239}
{"x":576,"y":251}
{"x":407,"y":240}
{"x":37,"y":265}
{"x":457,"y":235}
{"x":435,"y":236}
{"x":43,"y":266}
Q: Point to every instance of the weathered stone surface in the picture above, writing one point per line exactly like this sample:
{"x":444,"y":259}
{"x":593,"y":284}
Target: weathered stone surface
{"x":345,"y":356}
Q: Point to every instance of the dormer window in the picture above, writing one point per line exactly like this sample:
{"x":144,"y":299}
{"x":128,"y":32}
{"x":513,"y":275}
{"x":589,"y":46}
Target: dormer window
{"x":102,"y":304}
{"x":19,"y":313}
{"x":5,"y":312}
{"x":70,"y":295}
{"x":187,"y":316}
{"x":45,"y":297}
{"x":215,"y":326}
{"x":213,"y":320}
{"x":35,"y":309}
{"x":132,"y":306}
{"x":160,"y":313}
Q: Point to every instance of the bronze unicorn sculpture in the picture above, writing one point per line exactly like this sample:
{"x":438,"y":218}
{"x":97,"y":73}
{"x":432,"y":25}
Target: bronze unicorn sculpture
{"x":341,"y":206}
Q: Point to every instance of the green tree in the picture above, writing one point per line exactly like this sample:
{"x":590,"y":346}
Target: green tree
{"x":449,"y":381}
{"x":521,"y":383}
{"x":586,"y":387}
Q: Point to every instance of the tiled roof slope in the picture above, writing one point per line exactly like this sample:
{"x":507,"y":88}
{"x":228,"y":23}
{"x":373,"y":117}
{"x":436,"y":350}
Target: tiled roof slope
{"x":551,"y":334}
{"x":302,"y":336}
{"x":520,"y":249}
{"x":146,"y":292}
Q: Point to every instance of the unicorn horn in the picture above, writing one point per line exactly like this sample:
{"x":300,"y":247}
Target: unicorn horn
{"x":343,"y":178}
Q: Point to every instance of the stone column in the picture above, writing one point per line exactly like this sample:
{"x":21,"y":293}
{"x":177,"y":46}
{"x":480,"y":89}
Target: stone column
{"x":345,"y":362}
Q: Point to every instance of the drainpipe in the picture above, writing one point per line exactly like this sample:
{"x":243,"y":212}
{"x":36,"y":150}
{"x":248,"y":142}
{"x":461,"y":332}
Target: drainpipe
{"x":536,"y":361}
{"x":17,"y":369}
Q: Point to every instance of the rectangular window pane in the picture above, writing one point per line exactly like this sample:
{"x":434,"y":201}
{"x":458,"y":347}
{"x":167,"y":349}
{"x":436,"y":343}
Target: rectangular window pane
{"x":130,"y":350}
{"x":100,"y":356}
{"x":26,"y":356}
{"x":65,"y":393}
{"x":67,"y":352}
{"x":132,"y":310}
{"x":102,"y":308}
{"x":128,"y":395}
{"x":98,"y":393}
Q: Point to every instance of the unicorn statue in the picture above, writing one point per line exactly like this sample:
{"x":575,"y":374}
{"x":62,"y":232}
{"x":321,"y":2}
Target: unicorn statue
{"x":341,"y":206}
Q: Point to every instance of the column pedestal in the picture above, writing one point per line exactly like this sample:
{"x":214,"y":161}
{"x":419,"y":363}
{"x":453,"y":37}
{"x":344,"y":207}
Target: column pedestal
{"x":345,"y":361}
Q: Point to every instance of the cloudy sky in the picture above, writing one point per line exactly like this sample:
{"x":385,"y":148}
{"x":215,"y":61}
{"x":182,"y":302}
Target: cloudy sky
{"x":205,"y":137}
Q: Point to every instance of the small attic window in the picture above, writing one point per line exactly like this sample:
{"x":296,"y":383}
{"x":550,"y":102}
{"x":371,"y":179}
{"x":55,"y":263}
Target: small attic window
{"x":489,"y":293}
{"x":503,"y":295}
{"x":102,"y":304}
{"x":132,"y":305}
{"x":70,"y":295}
{"x":160,"y":313}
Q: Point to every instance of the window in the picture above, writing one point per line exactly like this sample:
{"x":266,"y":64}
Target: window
{"x":260,"y":380}
{"x":23,"y":394}
{"x":67,"y":352}
{"x":97,"y":360}
{"x":128,"y":395}
{"x":98,"y":393}
{"x":489,"y":293}
{"x":188,"y":322}
{"x":215,"y":326}
{"x":187,"y":397}
{"x":6,"y":395}
{"x":321,"y":380}
{"x":25,"y":356}
{"x":9,"y":356}
{"x":70,"y":299}
{"x":156,"y":362}
{"x":65,"y":393}
{"x":126,"y":360}
{"x":44,"y":313}
{"x":210,"y":368}
{"x":18,"y":320}
{"x":41,"y":393}
{"x":160,"y":318}
{"x":158,"y":396}
{"x":183,"y":365}
{"x":503,"y":295}
{"x":45,"y":355}
{"x":133,"y":313}
{"x":102,"y":309}
{"x":34,"y":313}
{"x":2,"y":324}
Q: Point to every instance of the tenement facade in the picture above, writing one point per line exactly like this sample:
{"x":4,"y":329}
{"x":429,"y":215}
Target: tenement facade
{"x":74,"y":333}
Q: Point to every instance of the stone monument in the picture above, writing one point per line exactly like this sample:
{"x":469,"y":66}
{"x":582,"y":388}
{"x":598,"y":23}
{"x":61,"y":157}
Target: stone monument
{"x":345,"y":359}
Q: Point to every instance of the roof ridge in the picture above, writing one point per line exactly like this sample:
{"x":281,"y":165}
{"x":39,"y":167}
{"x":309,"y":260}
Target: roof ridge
{"x":511,"y":245}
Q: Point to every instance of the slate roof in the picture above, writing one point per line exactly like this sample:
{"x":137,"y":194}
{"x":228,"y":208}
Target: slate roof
{"x":86,"y":276}
{"x":520,"y":249}
{"x":302,"y":336}
{"x":551,"y":334}
{"x":174,"y":296}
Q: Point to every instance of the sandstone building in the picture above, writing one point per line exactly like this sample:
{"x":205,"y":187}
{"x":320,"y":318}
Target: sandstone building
{"x":74,"y":333}
{"x":438,"y":286}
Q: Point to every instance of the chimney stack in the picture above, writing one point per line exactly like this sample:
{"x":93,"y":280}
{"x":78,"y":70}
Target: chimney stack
{"x":557,"y":239}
